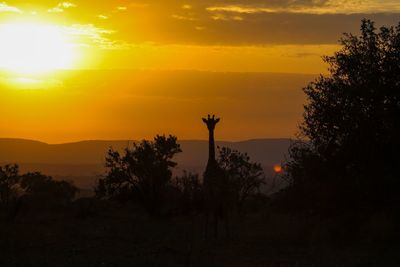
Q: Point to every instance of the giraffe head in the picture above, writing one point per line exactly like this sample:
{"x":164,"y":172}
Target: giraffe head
{"x":211,"y":122}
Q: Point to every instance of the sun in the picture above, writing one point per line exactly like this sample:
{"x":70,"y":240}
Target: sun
{"x":278,"y":168}
{"x":34,"y":48}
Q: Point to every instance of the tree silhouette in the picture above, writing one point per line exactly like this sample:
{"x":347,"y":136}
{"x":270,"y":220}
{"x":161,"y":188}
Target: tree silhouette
{"x":34,"y":191}
{"x":351,"y":125}
{"x":44,"y":191}
{"x":9,"y":180}
{"x":245,"y":177}
{"x":9,"y":189}
{"x":143,"y":171}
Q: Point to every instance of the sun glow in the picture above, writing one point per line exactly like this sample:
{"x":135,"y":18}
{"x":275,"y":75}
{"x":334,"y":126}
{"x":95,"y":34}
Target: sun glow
{"x":35,"y":48}
{"x":278,"y":168}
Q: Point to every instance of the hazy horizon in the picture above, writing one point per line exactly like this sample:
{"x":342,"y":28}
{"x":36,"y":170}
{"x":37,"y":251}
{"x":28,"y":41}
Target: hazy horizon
{"x":138,"y":140}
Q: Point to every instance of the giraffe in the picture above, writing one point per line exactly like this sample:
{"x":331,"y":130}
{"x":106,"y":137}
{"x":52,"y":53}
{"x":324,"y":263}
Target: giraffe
{"x":215,"y":185}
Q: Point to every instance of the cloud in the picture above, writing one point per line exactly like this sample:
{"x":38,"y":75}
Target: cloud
{"x":6,"y":8}
{"x":245,"y":22}
{"x":55,"y":10}
{"x":103,"y":17}
{"x":228,"y":22}
{"x":238,"y":18}
{"x":61,"y":7}
{"x":313,"y":7}
{"x":180,"y":17}
{"x":90,"y":35}
{"x":240,"y":29}
{"x":241,"y":9}
{"x":67,"y":5}
{"x":224,"y":17}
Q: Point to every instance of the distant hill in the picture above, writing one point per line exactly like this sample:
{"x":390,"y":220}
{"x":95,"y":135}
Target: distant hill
{"x":83,"y":161}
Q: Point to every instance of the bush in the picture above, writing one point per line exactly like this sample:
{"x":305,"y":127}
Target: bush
{"x":190,"y":189}
{"x":43,"y":191}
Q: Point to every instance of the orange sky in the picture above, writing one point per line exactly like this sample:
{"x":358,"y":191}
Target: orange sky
{"x":138,"y":68}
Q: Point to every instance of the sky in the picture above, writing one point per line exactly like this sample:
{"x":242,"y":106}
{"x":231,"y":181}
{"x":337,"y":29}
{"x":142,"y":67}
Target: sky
{"x":124,"y":69}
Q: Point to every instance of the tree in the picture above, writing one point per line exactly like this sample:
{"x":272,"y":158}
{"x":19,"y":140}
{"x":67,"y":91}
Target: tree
{"x":245,"y":177}
{"x":9,"y":181}
{"x":32,"y":189}
{"x":143,"y":171}
{"x":351,"y":126}
{"x":45,"y":191}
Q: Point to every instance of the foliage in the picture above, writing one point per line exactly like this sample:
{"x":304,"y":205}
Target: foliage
{"x":34,"y":191}
{"x":245,"y":177}
{"x":143,"y":172}
{"x":9,"y":180}
{"x":190,"y":187}
{"x":352,"y":125}
{"x":42,"y":188}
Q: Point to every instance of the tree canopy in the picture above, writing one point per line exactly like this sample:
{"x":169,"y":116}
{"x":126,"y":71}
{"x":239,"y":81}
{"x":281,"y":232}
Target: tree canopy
{"x":245,"y":176}
{"x":143,"y":171}
{"x":351,"y":123}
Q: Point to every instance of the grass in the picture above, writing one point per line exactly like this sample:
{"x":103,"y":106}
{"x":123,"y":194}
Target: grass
{"x":115,"y":235}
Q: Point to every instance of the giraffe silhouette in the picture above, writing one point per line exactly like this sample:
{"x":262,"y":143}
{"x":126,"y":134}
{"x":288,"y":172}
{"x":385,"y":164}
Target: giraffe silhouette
{"x":216,"y":186}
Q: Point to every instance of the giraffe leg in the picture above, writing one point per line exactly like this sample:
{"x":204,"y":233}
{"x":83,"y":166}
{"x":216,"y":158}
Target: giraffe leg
{"x":227,"y":226}
{"x":216,"y":225}
{"x":207,"y":221}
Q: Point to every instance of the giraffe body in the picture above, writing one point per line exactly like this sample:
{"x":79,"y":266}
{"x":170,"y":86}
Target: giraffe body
{"x":216,"y":187}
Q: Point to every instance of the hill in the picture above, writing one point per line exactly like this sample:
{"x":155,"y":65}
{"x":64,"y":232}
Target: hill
{"x":82,"y":162}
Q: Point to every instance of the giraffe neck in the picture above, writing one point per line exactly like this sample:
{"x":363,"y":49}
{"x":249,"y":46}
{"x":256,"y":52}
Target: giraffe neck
{"x":211,"y":148}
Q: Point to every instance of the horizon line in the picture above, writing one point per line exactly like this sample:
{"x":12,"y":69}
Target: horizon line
{"x":138,"y":140}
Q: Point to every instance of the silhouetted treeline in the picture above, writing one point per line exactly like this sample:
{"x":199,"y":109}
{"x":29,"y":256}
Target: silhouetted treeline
{"x":143,"y":174}
{"x":31,"y":192}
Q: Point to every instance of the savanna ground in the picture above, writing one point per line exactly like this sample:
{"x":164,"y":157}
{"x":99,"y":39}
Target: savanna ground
{"x":95,"y":233}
